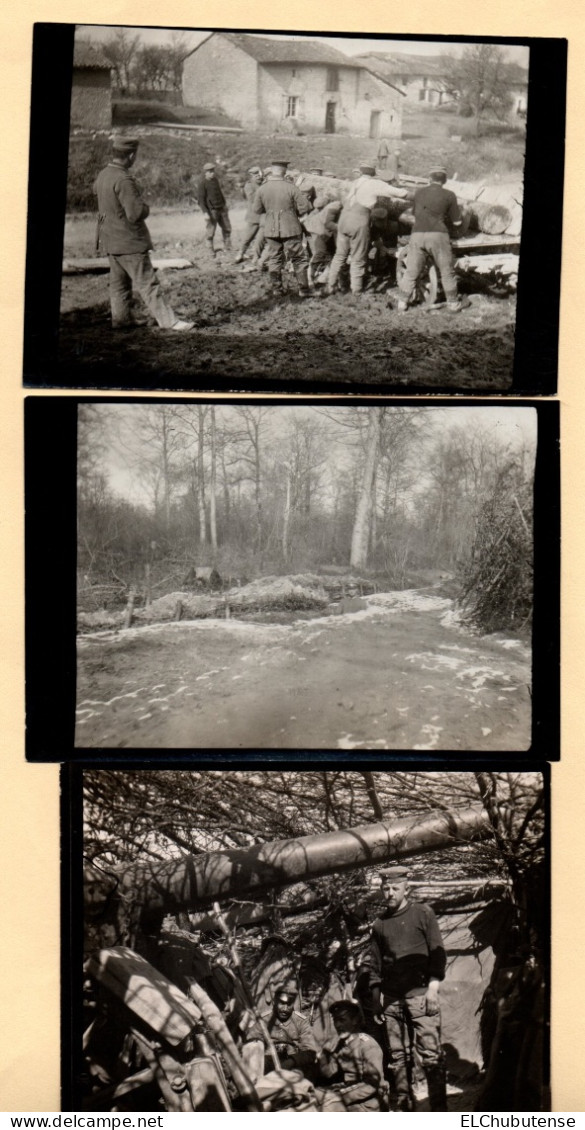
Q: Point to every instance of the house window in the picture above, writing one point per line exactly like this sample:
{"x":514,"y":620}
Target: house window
{"x":332,"y":78}
{"x":292,"y":106}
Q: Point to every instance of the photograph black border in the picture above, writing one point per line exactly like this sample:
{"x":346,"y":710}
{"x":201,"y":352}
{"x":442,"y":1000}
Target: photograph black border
{"x":51,"y":571}
{"x":72,"y":860}
{"x":537,"y":316}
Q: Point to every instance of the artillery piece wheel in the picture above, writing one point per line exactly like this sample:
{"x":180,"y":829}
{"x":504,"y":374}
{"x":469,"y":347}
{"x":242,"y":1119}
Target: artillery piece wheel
{"x":428,"y":287}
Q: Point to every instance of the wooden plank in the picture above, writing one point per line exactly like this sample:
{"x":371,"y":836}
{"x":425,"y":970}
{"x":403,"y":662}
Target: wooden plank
{"x":83,"y":266}
{"x":199,"y":129}
{"x":146,"y":992}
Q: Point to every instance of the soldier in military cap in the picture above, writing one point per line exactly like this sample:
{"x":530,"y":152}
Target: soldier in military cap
{"x":126,"y":239}
{"x":407,"y":964}
{"x":436,"y":215}
{"x":251,"y":219}
{"x":353,"y":1065}
{"x":213,"y":204}
{"x":282,"y":203}
{"x":353,"y":233}
{"x":290,"y":1032}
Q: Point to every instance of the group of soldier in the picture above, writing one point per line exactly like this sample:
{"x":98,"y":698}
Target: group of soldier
{"x":280,"y":220}
{"x":396,"y":1020}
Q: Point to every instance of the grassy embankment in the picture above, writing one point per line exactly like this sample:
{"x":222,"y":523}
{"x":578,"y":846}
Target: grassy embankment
{"x":168,"y":165}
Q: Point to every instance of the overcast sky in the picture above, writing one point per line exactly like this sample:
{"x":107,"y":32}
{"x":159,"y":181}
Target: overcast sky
{"x":514,"y":426}
{"x":350,"y":46}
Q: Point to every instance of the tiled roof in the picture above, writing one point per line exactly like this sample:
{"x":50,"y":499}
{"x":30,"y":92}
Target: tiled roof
{"x":433,"y":66}
{"x":86,"y":55}
{"x":286,"y":51}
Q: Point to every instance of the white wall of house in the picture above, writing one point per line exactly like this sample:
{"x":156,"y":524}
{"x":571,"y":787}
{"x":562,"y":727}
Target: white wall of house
{"x":220,"y":75}
{"x":321,"y":98}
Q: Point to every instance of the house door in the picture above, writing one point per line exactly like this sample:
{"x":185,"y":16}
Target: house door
{"x":375,"y":123}
{"x":330,"y":118}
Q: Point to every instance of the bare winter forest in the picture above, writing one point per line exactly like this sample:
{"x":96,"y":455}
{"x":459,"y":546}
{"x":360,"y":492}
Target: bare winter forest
{"x":249,"y":530}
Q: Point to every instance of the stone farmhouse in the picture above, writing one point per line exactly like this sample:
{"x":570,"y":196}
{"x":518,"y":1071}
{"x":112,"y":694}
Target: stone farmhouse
{"x":425,"y":79}
{"x":91,"y":89}
{"x":295,"y":86}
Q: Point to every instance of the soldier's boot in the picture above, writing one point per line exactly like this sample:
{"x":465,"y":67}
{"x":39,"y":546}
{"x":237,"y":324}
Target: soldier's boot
{"x":302,"y":278}
{"x":401,"y":1087}
{"x":276,"y":283}
{"x":210,"y":247}
{"x":437,"y":1086}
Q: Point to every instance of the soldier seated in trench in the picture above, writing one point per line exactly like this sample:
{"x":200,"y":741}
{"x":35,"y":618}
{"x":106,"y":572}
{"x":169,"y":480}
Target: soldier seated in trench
{"x":352,"y":1065}
{"x":291,"y":1036}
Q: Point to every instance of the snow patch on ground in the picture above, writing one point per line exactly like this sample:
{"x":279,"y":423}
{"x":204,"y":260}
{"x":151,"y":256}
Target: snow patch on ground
{"x":431,"y":733}
{"x":346,"y":741}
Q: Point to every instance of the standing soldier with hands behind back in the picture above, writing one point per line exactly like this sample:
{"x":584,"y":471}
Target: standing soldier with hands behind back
{"x":282,"y":203}
{"x":407,"y":964}
{"x":213,"y":204}
{"x":126,"y":239}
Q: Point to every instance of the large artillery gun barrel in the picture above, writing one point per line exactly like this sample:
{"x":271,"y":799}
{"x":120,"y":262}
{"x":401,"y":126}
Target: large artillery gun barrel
{"x":196,"y":881}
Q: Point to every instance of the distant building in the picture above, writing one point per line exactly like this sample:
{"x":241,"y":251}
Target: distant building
{"x":91,"y":89}
{"x":421,"y":78}
{"x":292,"y":86}
{"x":426,"y":79}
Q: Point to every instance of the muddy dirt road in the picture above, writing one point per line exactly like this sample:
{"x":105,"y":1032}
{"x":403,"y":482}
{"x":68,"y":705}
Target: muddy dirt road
{"x":401,"y":674}
{"x":241,"y":332}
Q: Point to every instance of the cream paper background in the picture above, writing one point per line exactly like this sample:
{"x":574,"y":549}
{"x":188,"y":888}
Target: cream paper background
{"x":29,"y":933}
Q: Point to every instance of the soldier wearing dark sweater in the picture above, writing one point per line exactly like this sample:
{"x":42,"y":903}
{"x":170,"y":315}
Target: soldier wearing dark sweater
{"x":407,"y":964}
{"x":213,"y":204}
{"x":436,"y":214}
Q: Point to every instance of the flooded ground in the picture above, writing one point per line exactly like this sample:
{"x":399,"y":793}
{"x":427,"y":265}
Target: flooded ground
{"x":400,"y":674}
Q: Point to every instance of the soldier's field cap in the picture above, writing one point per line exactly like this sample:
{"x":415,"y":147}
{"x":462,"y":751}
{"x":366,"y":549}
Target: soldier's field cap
{"x":278,"y":164}
{"x":125,"y":144}
{"x":351,"y":1008}
{"x":209,"y":168}
{"x":397,"y":873}
{"x":255,"y":169}
{"x":289,"y":996}
{"x":437,"y":169}
{"x":369,"y":170}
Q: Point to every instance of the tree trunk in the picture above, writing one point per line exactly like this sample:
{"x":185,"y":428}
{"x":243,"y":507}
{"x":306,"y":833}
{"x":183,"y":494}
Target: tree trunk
{"x":361,"y":528}
{"x":212,"y":488}
{"x":201,"y":478}
{"x":286,"y":517}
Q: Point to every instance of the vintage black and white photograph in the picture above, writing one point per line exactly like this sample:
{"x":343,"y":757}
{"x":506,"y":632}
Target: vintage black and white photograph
{"x":261,"y":576}
{"x":337,"y":941}
{"x":300,"y":209}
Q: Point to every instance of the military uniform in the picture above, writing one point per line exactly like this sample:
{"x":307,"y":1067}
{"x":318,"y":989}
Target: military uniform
{"x":435,"y":210}
{"x":126,"y":239}
{"x":252,"y":233}
{"x":356,"y":1068}
{"x":353,"y":233}
{"x":406,"y":953}
{"x":213,"y":204}
{"x":282,"y":203}
{"x":293,"y":1039}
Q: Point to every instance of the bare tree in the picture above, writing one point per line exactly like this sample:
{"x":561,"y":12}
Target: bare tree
{"x":479,"y":76}
{"x":120,"y":50}
{"x":361,"y":530}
